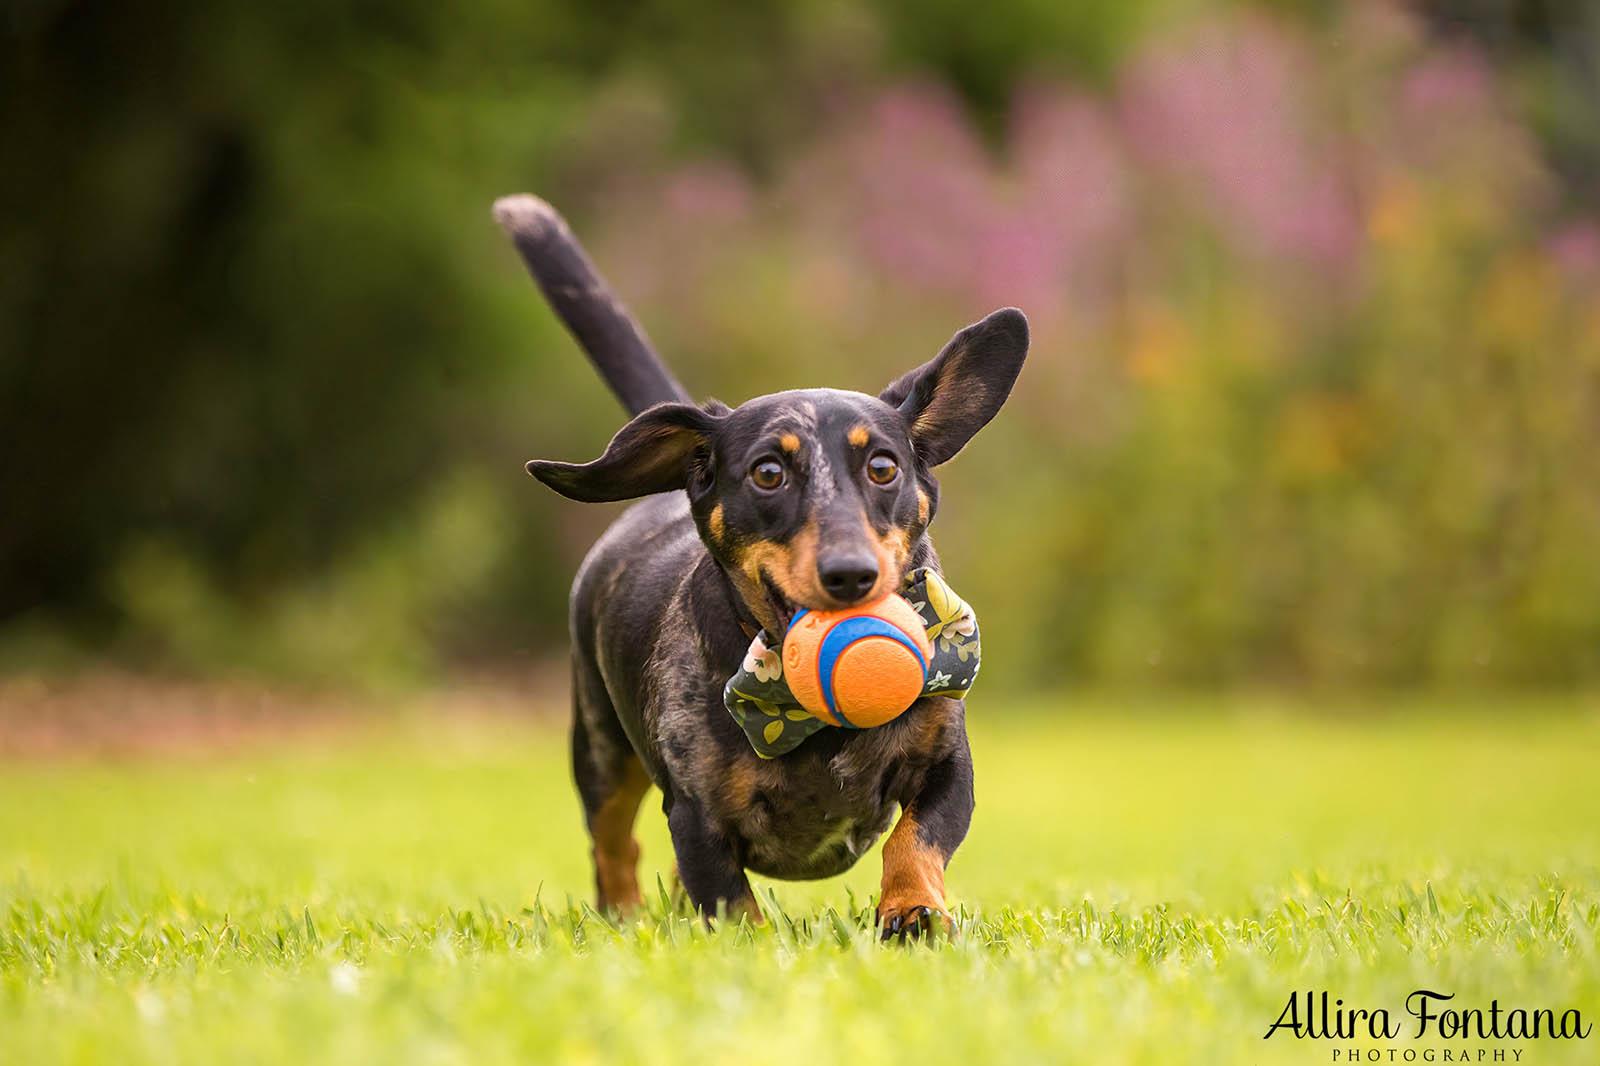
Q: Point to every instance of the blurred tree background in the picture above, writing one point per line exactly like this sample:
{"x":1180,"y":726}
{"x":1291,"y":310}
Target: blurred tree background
{"x":1314,"y":395}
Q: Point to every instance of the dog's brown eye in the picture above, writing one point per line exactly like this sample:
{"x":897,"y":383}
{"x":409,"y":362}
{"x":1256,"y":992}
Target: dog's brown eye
{"x":882,"y":469}
{"x":767,"y":474}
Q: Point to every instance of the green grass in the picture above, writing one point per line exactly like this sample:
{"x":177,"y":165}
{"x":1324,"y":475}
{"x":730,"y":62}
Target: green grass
{"x":1141,"y":884}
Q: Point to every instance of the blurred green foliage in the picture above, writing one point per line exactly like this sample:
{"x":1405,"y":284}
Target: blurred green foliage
{"x":1315,"y":392}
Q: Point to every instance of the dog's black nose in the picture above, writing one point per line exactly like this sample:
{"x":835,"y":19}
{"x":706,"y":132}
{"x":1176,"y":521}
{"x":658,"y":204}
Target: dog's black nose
{"x":847,"y":578}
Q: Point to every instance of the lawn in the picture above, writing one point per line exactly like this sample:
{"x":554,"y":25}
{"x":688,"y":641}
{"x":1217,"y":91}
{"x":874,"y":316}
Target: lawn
{"x":1143,"y":883}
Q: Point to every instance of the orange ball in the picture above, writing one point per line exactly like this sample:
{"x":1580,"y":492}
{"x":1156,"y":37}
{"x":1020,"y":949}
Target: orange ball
{"x":860,"y":667}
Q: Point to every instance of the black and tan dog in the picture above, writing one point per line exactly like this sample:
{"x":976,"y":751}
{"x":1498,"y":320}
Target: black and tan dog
{"x":815,"y":498}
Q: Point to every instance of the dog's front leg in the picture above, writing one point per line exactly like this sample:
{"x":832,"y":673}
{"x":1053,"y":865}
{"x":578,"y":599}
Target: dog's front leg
{"x":708,"y":865}
{"x":933,"y":822}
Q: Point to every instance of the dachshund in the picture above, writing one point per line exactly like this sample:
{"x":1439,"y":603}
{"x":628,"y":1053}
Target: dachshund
{"x":812,"y":499}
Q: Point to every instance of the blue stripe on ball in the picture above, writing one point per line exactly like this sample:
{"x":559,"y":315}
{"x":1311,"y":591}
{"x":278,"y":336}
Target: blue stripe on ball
{"x":846,"y":633}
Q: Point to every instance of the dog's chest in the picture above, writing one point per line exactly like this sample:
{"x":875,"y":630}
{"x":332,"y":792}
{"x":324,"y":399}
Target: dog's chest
{"x":810,"y":817}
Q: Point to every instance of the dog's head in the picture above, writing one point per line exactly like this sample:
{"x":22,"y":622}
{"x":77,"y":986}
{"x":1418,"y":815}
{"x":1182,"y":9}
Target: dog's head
{"x":812,"y":498}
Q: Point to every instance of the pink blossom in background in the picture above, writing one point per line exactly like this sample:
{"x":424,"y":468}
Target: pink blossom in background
{"x":1075,"y":189}
{"x":918,"y":186}
{"x":1227,"y":109}
{"x":1448,"y":86}
{"x":1283,"y":144}
{"x":1441,"y":108}
{"x":664,"y":240}
{"x":707,"y":192}
{"x":1014,"y":260}
{"x":1448,"y":123}
{"x":1071,"y":168}
{"x":928,"y":204}
{"x":1576,"y":250}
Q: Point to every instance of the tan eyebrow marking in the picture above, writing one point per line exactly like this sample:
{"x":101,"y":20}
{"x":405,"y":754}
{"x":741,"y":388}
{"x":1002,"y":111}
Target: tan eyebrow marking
{"x":858,"y":436}
{"x":789,"y":442}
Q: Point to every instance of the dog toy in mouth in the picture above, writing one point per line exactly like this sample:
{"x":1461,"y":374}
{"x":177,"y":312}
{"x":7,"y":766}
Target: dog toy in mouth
{"x":860,"y":667}
{"x":855,"y":669}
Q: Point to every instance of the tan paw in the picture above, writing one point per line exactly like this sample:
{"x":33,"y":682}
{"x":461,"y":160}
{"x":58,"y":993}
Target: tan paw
{"x":912,"y":920}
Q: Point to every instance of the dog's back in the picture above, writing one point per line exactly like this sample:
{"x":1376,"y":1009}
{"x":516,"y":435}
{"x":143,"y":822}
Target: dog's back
{"x":633,"y":610}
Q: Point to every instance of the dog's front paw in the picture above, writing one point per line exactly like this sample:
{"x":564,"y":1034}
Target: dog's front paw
{"x":897,"y":922}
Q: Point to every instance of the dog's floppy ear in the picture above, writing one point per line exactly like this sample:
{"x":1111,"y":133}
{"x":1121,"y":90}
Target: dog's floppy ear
{"x":948,"y":399}
{"x":649,"y":454}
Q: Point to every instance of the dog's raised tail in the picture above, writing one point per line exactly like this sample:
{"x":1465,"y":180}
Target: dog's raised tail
{"x":586,"y":305}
